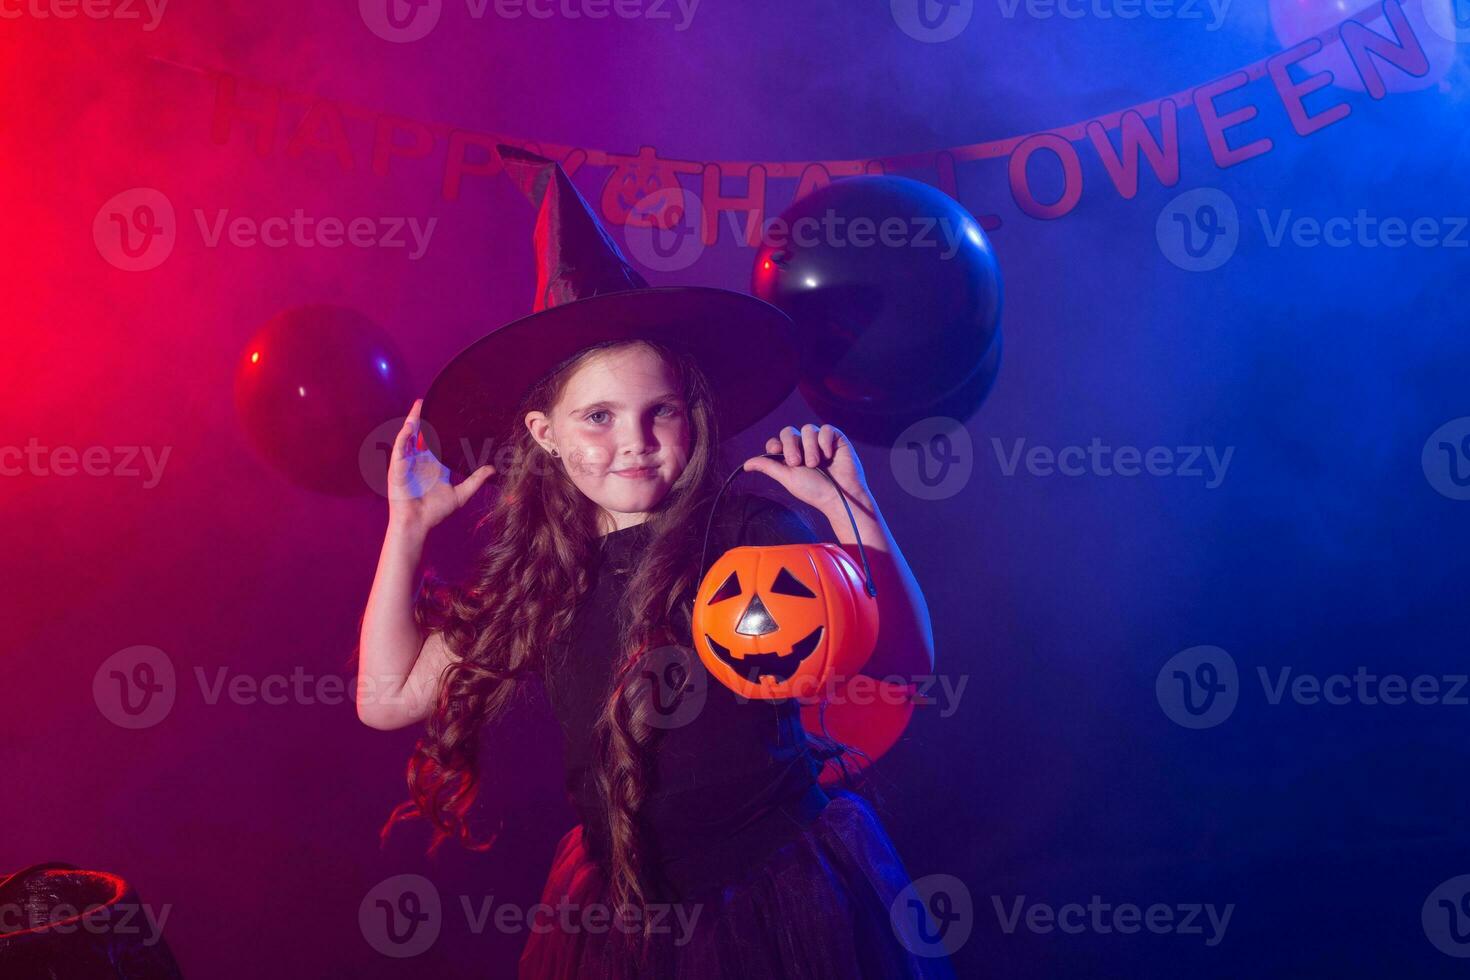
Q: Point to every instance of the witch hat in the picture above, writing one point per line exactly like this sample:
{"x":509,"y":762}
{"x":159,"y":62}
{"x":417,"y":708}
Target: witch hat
{"x":588,"y":293}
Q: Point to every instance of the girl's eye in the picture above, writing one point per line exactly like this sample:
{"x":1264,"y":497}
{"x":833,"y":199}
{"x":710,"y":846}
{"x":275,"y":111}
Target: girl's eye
{"x":593,"y":416}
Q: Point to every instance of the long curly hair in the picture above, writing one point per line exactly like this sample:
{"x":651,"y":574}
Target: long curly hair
{"x":543,"y":533}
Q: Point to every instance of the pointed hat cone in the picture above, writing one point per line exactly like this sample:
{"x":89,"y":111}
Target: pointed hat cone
{"x":587,"y":293}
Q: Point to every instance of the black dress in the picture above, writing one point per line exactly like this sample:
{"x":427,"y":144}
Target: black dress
{"x":760,"y":872}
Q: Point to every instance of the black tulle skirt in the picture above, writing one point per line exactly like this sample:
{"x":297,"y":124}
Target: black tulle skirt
{"x":817,"y":909}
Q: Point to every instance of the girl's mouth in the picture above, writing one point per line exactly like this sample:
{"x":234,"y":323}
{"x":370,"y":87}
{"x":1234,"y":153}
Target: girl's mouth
{"x":642,"y":472}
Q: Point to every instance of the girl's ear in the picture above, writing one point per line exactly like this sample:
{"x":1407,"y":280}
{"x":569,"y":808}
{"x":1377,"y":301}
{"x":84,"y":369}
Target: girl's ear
{"x":540,"y":428}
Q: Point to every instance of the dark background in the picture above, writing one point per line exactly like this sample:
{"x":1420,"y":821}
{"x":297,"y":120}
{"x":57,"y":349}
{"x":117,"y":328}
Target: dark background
{"x":1060,"y":775}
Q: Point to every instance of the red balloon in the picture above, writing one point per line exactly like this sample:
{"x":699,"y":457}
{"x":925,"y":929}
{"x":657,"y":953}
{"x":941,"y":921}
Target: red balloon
{"x":896,"y":294}
{"x":313,"y":386}
{"x":867,"y":714}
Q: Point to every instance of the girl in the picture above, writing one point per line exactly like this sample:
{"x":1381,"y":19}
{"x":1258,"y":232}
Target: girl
{"x":706,"y":847}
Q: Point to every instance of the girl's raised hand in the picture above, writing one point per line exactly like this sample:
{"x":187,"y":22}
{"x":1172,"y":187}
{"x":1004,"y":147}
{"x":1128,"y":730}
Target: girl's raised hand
{"x":805,"y":450}
{"x":420,"y":493}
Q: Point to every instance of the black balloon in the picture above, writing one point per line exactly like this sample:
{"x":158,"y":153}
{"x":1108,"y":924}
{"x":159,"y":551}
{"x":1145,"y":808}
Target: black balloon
{"x":313,"y":384}
{"x":896,"y":294}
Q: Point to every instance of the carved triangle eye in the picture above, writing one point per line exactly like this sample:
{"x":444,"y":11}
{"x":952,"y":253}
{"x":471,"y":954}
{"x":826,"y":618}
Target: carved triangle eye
{"x":757,"y":619}
{"x":788,"y":584}
{"x":729,"y":590}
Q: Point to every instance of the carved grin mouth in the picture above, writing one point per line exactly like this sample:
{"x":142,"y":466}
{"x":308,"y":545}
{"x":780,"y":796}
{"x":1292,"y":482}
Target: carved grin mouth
{"x":779,"y":666}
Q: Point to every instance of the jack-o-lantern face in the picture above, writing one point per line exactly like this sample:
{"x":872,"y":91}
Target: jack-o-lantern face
{"x":780,"y":621}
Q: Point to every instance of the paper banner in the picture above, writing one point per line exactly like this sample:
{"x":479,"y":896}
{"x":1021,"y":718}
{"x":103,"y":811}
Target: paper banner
{"x":256,"y":107}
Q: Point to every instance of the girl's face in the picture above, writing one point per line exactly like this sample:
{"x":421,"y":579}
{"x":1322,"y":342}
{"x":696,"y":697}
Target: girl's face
{"x":623,"y":432}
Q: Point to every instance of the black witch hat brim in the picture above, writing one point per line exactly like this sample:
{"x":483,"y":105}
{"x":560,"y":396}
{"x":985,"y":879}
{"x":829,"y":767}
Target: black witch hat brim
{"x":745,"y":346}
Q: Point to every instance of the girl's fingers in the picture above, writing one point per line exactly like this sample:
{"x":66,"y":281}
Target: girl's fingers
{"x":827,"y":440}
{"x":400,"y":442}
{"x":472,"y":483}
{"x":408,"y":436}
{"x":810,"y":449}
{"x":791,"y":445}
{"x":810,"y":445}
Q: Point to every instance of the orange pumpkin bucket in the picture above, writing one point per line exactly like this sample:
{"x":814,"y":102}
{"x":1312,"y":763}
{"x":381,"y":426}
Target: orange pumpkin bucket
{"x":781,"y":621}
